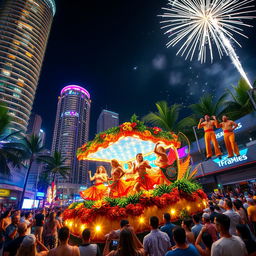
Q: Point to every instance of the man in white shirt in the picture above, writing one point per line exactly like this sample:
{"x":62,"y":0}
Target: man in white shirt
{"x":227,"y":245}
{"x":88,"y":249}
{"x":234,"y":217}
{"x":28,"y":220}
{"x":156,"y":243}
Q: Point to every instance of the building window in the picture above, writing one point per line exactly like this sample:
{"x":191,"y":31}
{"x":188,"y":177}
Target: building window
{"x":6,"y":72}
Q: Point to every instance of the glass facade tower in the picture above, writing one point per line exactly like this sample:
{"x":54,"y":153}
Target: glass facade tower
{"x":24,"y":29}
{"x":72,"y":129}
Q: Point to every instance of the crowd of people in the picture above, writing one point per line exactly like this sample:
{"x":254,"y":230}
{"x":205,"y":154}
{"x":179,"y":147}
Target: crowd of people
{"x":227,"y":227}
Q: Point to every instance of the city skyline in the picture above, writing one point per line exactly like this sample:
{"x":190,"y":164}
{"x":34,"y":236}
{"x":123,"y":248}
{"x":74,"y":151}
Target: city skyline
{"x":24,"y":31}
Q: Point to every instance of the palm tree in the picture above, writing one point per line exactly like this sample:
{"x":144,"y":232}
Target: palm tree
{"x":11,"y":152}
{"x":240,"y":104}
{"x":166,"y":116}
{"x":55,"y":165}
{"x":32,"y":147}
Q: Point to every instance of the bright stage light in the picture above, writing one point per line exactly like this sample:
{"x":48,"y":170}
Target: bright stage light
{"x":173,"y":211}
{"x":141,"y":220}
{"x":98,"y":228}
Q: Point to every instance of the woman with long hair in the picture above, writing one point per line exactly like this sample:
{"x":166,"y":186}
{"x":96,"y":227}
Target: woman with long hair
{"x":28,"y":247}
{"x":186,"y":225}
{"x":117,"y":187}
{"x":127,"y":245}
{"x":244,"y":233}
{"x":50,"y":231}
{"x":99,"y":190}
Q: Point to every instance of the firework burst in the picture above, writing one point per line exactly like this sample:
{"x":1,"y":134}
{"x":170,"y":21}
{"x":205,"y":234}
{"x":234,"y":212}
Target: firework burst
{"x":202,"y":25}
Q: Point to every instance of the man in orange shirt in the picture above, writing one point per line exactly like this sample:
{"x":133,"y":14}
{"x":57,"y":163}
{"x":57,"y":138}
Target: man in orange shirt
{"x":228,"y":127}
{"x":251,"y":210}
{"x":209,"y":136}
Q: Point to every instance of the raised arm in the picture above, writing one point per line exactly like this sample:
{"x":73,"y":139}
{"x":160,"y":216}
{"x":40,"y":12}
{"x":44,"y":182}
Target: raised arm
{"x":200,"y":125}
{"x":216,"y":123}
{"x":90,"y":176}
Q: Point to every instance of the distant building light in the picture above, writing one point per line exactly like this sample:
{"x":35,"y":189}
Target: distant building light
{"x":41,"y":130}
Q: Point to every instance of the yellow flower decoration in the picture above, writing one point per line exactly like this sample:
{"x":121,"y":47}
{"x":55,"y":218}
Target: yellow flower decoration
{"x":127,"y":126}
{"x":147,"y":133}
{"x":147,"y":194}
{"x":79,"y":206}
{"x":99,"y":204}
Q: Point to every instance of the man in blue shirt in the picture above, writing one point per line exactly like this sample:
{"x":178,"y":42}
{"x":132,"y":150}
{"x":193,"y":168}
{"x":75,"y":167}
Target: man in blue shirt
{"x":182,"y":248}
{"x":197,"y":225}
{"x":168,"y":227}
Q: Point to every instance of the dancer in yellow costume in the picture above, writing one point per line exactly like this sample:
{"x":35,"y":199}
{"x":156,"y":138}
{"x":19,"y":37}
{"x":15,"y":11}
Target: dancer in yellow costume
{"x":228,"y":127}
{"x":209,"y":136}
{"x":118,"y":187}
{"x":99,"y":190}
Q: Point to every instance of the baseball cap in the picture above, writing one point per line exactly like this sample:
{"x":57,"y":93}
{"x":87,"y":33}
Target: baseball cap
{"x":206,"y":216}
{"x":28,"y":240}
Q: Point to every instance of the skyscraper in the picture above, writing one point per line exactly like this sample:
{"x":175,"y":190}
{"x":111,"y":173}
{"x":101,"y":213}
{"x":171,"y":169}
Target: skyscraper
{"x":24,"y":29}
{"x":71,"y":129}
{"x":34,"y":124}
{"x":106,"y":120}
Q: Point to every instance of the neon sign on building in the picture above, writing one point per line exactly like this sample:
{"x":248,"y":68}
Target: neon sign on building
{"x":225,"y":161}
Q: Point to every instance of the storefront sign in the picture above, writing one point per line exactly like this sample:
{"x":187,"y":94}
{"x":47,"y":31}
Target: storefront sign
{"x":225,"y":161}
{"x":5,"y":192}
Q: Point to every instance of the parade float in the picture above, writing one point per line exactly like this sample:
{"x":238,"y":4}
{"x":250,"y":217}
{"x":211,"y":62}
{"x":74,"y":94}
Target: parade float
{"x":179,"y":197}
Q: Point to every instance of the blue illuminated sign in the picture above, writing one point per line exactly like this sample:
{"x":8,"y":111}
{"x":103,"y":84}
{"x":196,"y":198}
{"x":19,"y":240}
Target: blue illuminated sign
{"x":40,"y":194}
{"x":225,"y":161}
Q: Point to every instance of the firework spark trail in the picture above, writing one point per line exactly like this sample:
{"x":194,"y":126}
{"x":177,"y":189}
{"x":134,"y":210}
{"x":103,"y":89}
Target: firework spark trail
{"x":202,"y":25}
{"x":232,"y":54}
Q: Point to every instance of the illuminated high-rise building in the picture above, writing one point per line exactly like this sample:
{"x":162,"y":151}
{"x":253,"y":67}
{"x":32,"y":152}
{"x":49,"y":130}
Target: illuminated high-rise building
{"x":24,"y":30}
{"x":72,"y":129}
{"x":106,"y":120}
{"x":34,"y":124}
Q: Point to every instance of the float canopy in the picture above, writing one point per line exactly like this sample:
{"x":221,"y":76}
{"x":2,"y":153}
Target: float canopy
{"x":125,"y":149}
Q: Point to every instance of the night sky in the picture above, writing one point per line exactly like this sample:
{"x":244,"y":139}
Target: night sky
{"x":116,"y":50}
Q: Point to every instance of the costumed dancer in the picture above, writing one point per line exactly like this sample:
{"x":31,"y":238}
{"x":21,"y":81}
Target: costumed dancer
{"x":117,"y":187}
{"x":209,"y":136}
{"x":99,"y":190}
{"x":144,"y":181}
{"x":165,"y":162}
{"x":228,"y":127}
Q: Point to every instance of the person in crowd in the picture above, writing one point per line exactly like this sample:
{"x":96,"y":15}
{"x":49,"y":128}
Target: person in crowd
{"x":115,"y":234}
{"x":186,"y":225}
{"x":126,"y":246}
{"x":239,"y":208}
{"x":182,"y":248}
{"x":244,"y":233}
{"x":29,"y":245}
{"x":64,"y":249}
{"x":28,"y":220}
{"x":5,"y":220}
{"x":39,"y":225}
{"x":50,"y":231}
{"x":213,"y":213}
{"x":217,"y":209}
{"x":206,"y":239}
{"x":197,"y":225}
{"x":59,"y":218}
{"x":210,"y":227}
{"x":11,"y":230}
{"x":12,"y":247}
{"x":156,"y":243}
{"x":168,"y":226}
{"x":88,"y":249}
{"x":234,"y":217}
{"x":227,"y":245}
{"x":251,"y":210}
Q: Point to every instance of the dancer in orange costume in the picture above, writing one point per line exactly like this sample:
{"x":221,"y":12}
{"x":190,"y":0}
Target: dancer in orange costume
{"x":209,"y":136}
{"x":169,"y":173}
{"x":228,"y":127}
{"x":118,"y":187}
{"x":99,"y":190}
{"x":144,"y":181}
